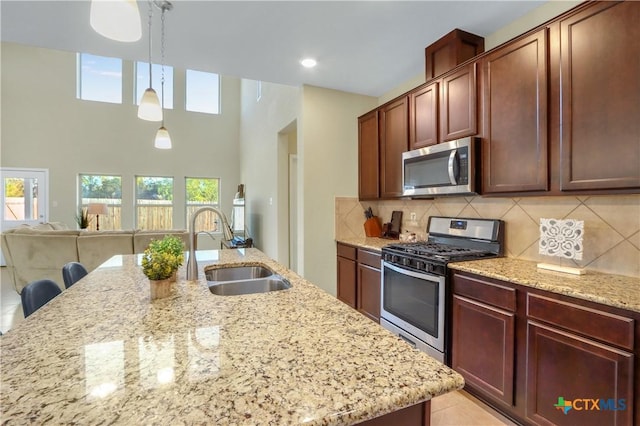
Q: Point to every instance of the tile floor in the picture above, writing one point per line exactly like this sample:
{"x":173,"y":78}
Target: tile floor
{"x":452,"y":409}
{"x":10,"y":306}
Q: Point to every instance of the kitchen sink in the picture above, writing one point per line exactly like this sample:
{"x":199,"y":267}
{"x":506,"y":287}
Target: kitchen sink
{"x":237,"y":280}
{"x":235,"y":273}
{"x":256,"y":285}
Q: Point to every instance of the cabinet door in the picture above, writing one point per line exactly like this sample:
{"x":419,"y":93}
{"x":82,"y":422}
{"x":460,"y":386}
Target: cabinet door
{"x":368,"y":164}
{"x":394,"y":140}
{"x":482,"y":347}
{"x":565,"y":368}
{"x":600,"y":97}
{"x":347,"y":281}
{"x":369,"y":292}
{"x":514,"y":150}
{"x":423,"y":116}
{"x":458,"y":108}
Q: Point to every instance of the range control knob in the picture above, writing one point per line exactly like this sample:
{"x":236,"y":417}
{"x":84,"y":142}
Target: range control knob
{"x":420,"y":265}
{"x":406,"y":261}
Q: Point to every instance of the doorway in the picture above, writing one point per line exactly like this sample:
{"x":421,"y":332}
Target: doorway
{"x":288,"y":236}
{"x":25,"y":195}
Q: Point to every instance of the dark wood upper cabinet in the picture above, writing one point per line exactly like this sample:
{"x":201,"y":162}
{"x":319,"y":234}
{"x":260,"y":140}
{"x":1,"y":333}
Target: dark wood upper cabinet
{"x":368,"y":156}
{"x":600,"y":97}
{"x":458,"y":105}
{"x":393,"y":119}
{"x":515,"y":143}
{"x":423,"y":116}
{"x":450,"y":51}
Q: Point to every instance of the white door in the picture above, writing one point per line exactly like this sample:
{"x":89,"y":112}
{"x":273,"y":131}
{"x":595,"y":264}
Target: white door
{"x":25,"y":195}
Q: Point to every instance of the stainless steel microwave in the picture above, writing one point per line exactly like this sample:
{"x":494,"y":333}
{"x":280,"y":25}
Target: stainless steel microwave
{"x":444,"y":169}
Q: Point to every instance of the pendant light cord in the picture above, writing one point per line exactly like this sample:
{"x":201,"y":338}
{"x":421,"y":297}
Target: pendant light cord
{"x":150,"y":19}
{"x":162,"y":62}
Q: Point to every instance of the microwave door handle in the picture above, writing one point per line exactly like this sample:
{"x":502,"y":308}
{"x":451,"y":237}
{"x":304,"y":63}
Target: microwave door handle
{"x":452,"y":159}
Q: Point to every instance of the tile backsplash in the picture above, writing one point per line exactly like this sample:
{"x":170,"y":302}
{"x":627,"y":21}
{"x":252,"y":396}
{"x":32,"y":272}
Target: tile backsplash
{"x":611,"y":224}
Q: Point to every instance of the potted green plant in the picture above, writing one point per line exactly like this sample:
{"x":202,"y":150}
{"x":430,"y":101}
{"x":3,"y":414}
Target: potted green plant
{"x":82,"y":218}
{"x":159,"y":266}
{"x":170,"y":244}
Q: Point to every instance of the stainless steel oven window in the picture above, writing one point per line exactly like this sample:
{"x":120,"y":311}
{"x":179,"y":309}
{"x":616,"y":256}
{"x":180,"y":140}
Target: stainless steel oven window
{"x":427,"y":314}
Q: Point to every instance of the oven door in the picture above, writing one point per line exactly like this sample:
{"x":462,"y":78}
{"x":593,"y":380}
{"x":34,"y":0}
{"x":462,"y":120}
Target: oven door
{"x":414,"y":303}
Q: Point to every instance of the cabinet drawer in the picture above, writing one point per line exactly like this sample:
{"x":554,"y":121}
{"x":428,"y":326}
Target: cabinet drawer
{"x":484,"y":291}
{"x":369,"y":258}
{"x":347,"y":251}
{"x":606,"y":327}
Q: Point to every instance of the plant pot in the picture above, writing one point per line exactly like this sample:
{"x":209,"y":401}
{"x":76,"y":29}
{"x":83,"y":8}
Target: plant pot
{"x":174,"y":277}
{"x":159,"y":289}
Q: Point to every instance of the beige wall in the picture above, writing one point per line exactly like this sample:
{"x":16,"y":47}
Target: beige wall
{"x":324,"y":122}
{"x":262,"y":121}
{"x":328,"y":159}
{"x":45,"y":126}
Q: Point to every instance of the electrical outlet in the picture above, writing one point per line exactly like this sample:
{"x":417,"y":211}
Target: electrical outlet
{"x":413,"y":216}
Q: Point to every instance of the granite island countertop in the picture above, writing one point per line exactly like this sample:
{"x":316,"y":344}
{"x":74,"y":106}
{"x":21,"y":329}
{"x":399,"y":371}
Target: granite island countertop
{"x":102,"y":352}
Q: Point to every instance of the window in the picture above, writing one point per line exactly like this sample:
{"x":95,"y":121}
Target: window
{"x":142,"y":82}
{"x":99,"y":78}
{"x":203,"y":92}
{"x":103,"y":189}
{"x":154,"y":202}
{"x":202,"y":192}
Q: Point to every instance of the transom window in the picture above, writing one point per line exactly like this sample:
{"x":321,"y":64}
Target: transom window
{"x":154,"y":202}
{"x":203,"y":92}
{"x":99,"y":78}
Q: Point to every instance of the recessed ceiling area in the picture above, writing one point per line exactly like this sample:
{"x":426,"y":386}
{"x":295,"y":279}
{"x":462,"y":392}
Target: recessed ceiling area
{"x":365,"y":47}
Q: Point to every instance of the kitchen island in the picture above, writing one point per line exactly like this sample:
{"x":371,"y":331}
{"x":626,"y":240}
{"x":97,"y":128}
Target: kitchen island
{"x":103,"y":352}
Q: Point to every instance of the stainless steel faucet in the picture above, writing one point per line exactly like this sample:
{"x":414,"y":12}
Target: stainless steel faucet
{"x":192,"y":265}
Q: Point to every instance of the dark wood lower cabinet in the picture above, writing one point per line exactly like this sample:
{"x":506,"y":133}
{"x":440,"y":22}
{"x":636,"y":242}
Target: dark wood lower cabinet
{"x":543,"y":358}
{"x":369,"y":291}
{"x":358,"y":282}
{"x":483,"y":347}
{"x":347,"y":274}
{"x":564,"y":368}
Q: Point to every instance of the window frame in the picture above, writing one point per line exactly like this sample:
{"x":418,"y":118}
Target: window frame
{"x":138,"y":205}
{"x":188,"y":204}
{"x":218,"y":103}
{"x":80,"y":78}
{"x":115,"y":209}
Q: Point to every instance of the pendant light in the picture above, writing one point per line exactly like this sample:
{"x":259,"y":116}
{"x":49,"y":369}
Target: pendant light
{"x":116,"y":19}
{"x":163,"y":140}
{"x":149,"y":108}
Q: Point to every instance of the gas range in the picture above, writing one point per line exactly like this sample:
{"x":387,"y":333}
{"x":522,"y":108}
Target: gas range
{"x":414,"y":283}
{"x":450,"y":240}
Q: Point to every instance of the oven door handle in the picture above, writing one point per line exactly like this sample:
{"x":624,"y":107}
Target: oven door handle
{"x":421,"y":275}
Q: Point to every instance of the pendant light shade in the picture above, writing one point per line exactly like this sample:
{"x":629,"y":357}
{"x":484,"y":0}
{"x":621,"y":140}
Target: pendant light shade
{"x":163,"y":140}
{"x":116,"y":19}
{"x":149,"y":108}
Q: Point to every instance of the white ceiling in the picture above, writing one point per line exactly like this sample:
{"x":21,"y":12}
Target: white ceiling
{"x":366,"y":47}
